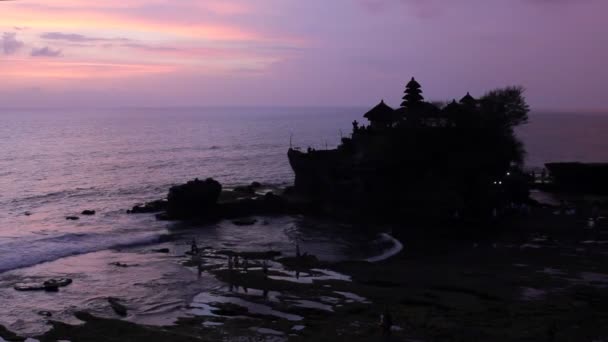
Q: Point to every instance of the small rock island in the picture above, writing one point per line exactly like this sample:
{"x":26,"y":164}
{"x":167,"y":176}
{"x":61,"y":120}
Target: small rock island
{"x":425,"y":159}
{"x":422,"y":161}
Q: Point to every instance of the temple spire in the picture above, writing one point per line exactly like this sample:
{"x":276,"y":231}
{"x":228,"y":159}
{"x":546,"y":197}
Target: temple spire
{"x":413,"y":94}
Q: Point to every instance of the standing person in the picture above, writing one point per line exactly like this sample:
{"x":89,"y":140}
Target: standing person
{"x":193,"y":247}
{"x":230,"y":264}
{"x":386,"y":324}
{"x":245,"y":264}
{"x":265,"y":269}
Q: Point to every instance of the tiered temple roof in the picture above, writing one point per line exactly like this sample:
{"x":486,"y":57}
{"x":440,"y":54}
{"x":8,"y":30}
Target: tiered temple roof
{"x":382,"y":113}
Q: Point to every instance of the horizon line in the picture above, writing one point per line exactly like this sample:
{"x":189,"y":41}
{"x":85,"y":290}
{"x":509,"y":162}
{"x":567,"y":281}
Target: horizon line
{"x":122,"y":107}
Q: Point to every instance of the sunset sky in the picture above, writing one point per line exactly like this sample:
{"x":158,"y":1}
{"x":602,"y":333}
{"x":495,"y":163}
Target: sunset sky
{"x":294,"y":52}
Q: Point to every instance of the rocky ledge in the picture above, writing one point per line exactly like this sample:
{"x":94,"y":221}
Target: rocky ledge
{"x":206,"y":200}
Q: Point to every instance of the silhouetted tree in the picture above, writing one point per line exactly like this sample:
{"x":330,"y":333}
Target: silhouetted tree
{"x":506,"y":107}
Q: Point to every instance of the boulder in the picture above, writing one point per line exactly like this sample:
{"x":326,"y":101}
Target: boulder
{"x":55,"y":284}
{"x":122,"y":265}
{"x":249,"y":189}
{"x":88,"y":212}
{"x":45,"y":313}
{"x":195,"y":199}
{"x":245,"y":190}
{"x":245,"y":222}
{"x":274,"y":204}
{"x":119,"y":308}
{"x":51,"y":285}
{"x":150,"y":207}
{"x":161,"y":250}
{"x":72,"y":218}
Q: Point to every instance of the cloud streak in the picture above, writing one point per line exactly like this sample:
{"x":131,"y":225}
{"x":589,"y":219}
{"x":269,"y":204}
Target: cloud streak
{"x":77,"y":38}
{"x":45,"y":52}
{"x":10,"y":44}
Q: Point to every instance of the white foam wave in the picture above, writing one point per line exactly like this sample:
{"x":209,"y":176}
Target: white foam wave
{"x":25,"y":252}
{"x":396,"y":247}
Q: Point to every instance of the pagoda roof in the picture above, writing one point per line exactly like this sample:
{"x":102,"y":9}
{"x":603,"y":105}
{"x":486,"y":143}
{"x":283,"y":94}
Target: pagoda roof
{"x":468,"y":99}
{"x":413,"y":84}
{"x":380,"y":113}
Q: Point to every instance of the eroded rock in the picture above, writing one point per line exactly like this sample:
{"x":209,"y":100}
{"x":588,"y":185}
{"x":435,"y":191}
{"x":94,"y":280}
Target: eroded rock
{"x":195,"y":199}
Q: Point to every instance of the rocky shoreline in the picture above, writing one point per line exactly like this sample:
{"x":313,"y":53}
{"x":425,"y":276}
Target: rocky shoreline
{"x":206,"y":201}
{"x":541,"y":276}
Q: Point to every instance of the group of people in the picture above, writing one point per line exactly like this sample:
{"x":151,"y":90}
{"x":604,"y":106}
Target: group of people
{"x":235,"y":263}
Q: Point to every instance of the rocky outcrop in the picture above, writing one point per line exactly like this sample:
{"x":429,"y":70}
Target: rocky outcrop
{"x":150,"y":207}
{"x":51,"y":285}
{"x":245,"y":222}
{"x":194,"y":199}
{"x":580,"y":177}
{"x":204,"y":201}
{"x":249,"y":189}
{"x":119,"y":308}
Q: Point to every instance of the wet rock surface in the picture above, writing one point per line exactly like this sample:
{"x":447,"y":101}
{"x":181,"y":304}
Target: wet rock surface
{"x":119,"y":308}
{"x":204,"y":201}
{"x":442,"y":287}
{"x":50,"y":285}
{"x":149,"y":207}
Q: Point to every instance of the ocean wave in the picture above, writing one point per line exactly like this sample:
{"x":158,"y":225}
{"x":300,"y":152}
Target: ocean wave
{"x":395,"y":248}
{"x":25,"y":252}
{"x":54,"y":195}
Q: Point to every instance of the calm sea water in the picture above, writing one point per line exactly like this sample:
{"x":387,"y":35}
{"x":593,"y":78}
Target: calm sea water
{"x":55,"y":163}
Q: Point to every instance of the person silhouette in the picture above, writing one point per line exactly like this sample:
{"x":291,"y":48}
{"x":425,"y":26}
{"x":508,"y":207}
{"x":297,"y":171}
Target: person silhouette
{"x":193,"y":247}
{"x":386,"y":323}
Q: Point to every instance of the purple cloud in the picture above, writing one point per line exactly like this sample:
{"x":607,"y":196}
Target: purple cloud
{"x":9,"y":43}
{"x":45,"y":52}
{"x":78,"y":38}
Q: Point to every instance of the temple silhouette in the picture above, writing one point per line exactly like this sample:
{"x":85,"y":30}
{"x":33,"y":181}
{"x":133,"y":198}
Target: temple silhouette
{"x":423,"y":159}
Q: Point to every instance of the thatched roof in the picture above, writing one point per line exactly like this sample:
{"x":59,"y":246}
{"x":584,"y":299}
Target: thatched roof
{"x":381,"y":113}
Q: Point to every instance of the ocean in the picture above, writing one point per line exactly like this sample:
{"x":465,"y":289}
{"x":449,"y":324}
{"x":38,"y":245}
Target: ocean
{"x":56,"y":163}
{"x":59,"y":162}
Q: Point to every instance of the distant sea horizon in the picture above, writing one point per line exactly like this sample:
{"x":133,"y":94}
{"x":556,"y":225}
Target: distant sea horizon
{"x":533,"y":110}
